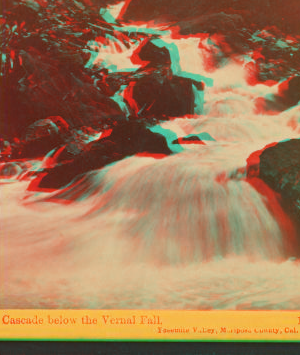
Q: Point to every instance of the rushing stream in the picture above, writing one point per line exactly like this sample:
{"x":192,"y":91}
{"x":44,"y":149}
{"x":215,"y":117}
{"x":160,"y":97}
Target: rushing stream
{"x":187,"y":231}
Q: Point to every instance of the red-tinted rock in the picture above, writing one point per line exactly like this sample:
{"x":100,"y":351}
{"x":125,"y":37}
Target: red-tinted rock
{"x":279,"y":167}
{"x":125,"y":140}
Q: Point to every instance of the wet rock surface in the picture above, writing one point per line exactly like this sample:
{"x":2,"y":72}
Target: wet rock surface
{"x":125,"y":140}
{"x":168,"y":97}
{"x":279,"y":167}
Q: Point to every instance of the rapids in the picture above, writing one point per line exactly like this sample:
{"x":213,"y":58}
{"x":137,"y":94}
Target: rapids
{"x":188,"y":231}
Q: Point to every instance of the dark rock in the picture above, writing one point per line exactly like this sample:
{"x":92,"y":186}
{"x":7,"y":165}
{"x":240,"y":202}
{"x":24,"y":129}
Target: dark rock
{"x":45,"y":88}
{"x":75,"y":143}
{"x":279,"y":167}
{"x":19,"y":12}
{"x":125,"y":140}
{"x":157,"y":92}
{"x":288,"y":96}
{"x":191,"y":139}
{"x":167,"y":97}
{"x":149,"y":52}
{"x":133,"y":137}
{"x":289,"y":91}
{"x":194,"y":139}
{"x":41,"y":137}
{"x":270,"y":106}
{"x":38,"y":148}
{"x":43,"y":72}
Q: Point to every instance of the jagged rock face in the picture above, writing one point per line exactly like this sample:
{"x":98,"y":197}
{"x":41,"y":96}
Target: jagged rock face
{"x":43,"y":65}
{"x":44,"y":88}
{"x":279,"y":167}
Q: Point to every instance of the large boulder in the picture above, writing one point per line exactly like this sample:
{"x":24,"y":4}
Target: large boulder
{"x":125,"y":140}
{"x":289,"y":91}
{"x":159,"y":90}
{"x":279,"y":167}
{"x":150,"y":53}
{"x":156,"y":97}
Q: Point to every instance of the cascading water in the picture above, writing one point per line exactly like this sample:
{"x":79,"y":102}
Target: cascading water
{"x":188,"y":231}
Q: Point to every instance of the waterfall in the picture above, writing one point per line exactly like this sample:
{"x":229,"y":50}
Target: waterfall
{"x":188,"y":231}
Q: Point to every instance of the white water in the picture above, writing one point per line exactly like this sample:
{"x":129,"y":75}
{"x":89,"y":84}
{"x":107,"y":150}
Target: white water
{"x":184,"y":232}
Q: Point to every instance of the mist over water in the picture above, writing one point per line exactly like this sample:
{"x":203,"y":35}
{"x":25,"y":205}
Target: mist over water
{"x":188,"y":231}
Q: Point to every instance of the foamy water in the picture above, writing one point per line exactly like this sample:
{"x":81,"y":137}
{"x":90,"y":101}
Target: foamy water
{"x":185,"y":232}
